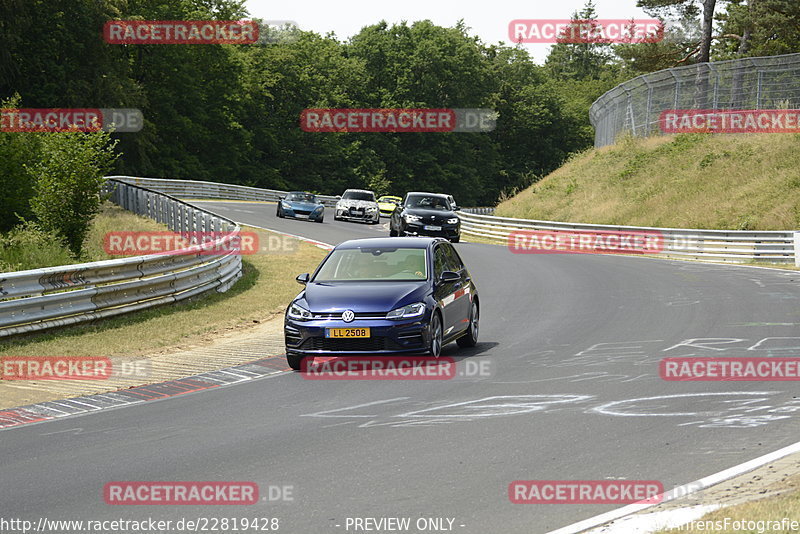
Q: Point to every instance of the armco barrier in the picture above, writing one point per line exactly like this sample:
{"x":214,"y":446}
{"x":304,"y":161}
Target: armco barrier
{"x":211,"y":190}
{"x":58,"y":296}
{"x":715,"y":245}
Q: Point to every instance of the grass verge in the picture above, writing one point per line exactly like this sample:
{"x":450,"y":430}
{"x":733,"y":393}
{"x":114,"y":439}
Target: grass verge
{"x":755,"y":517}
{"x":738,"y":182}
{"x":263,"y":291}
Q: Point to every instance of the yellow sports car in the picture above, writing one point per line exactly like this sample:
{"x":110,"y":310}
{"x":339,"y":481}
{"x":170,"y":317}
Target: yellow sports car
{"x":387,"y":204}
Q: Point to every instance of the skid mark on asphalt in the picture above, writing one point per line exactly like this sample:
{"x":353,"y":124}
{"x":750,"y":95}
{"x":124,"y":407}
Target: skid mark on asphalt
{"x":51,"y":410}
{"x":732,"y":409}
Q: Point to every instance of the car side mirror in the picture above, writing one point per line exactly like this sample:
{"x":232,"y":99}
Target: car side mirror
{"x":302,"y":278}
{"x":456,"y":208}
{"x":449,"y":276}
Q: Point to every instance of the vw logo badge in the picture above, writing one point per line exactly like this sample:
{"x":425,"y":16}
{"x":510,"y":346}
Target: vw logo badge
{"x":348,"y":316}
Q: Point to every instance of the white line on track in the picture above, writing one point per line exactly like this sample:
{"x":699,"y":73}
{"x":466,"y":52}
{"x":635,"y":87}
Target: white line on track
{"x":680,"y":491}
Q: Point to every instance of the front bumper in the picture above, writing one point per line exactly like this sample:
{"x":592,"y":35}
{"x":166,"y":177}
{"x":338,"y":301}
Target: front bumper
{"x":386,"y":336}
{"x":447,"y":230}
{"x":352,"y":215}
{"x":303,"y":215}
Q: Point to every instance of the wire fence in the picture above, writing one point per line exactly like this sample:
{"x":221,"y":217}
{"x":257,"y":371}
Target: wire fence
{"x":635,"y":106}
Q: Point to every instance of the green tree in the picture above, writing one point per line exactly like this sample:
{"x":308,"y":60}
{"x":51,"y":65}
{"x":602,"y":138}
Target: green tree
{"x":682,"y":9}
{"x":759,"y":28}
{"x":579,"y":61}
{"x":16,"y":151}
{"x":68,"y":177}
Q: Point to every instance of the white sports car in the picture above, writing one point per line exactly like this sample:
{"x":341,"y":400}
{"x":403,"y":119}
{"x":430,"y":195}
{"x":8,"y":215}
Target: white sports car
{"x":357,"y":205}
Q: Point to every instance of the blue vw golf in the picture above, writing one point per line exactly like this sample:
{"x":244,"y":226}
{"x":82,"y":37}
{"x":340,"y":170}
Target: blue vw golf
{"x":383,"y":296}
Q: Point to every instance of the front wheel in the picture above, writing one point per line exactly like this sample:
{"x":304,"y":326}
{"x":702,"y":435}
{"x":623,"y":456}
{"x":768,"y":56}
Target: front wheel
{"x":392,"y":231}
{"x":470,"y":339}
{"x":320,"y":219}
{"x":279,"y":214}
{"x":435,"y":347}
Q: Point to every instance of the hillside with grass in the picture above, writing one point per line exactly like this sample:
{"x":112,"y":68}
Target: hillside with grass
{"x":739,"y":182}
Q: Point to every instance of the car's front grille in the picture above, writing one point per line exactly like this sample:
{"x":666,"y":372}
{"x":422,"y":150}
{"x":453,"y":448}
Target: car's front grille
{"x":358,"y":315}
{"x":345,"y":344}
{"x":438,"y":220}
{"x":302,"y":212}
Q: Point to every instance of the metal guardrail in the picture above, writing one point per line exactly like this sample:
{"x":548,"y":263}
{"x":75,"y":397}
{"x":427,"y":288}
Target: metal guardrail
{"x":716,"y":245}
{"x":771,"y":82}
{"x":479,"y":211}
{"x":212,"y":190}
{"x":59,"y":296}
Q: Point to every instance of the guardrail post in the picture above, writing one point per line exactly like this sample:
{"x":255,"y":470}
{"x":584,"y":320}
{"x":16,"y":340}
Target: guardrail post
{"x":797,"y":249}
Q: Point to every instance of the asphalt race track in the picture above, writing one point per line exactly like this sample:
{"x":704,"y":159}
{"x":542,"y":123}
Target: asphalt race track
{"x":573,"y":343}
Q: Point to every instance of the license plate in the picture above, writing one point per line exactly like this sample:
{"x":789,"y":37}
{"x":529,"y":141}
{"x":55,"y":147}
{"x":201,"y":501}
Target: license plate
{"x":347,"y":332}
{"x":433,"y":228}
{"x":301,"y":216}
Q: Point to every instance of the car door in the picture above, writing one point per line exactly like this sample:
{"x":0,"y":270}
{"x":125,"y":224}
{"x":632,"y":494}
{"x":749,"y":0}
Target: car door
{"x":462,"y":298}
{"x":444,"y":292}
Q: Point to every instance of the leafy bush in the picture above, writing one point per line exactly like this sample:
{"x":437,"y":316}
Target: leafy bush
{"x":16,"y":150}
{"x":68,"y":176}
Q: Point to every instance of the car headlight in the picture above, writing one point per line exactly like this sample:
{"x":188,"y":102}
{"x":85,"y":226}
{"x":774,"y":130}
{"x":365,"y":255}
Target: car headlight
{"x":413,"y":218}
{"x":407,"y":312}
{"x":372,"y":208}
{"x":286,"y":205}
{"x":452,"y":220}
{"x":299,"y":313}
{"x":319,"y":208}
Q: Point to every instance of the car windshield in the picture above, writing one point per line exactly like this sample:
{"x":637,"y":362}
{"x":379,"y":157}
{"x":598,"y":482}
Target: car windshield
{"x":429,"y":202}
{"x":387,"y":199}
{"x":301,"y":197}
{"x":358,"y":195}
{"x":374,"y":264}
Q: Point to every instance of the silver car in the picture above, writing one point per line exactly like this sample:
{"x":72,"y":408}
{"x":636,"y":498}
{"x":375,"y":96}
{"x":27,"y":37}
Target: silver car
{"x":357,"y":205}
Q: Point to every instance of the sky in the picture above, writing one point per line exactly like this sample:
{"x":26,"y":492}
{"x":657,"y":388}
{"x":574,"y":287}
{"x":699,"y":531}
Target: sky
{"x":488,"y":20}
